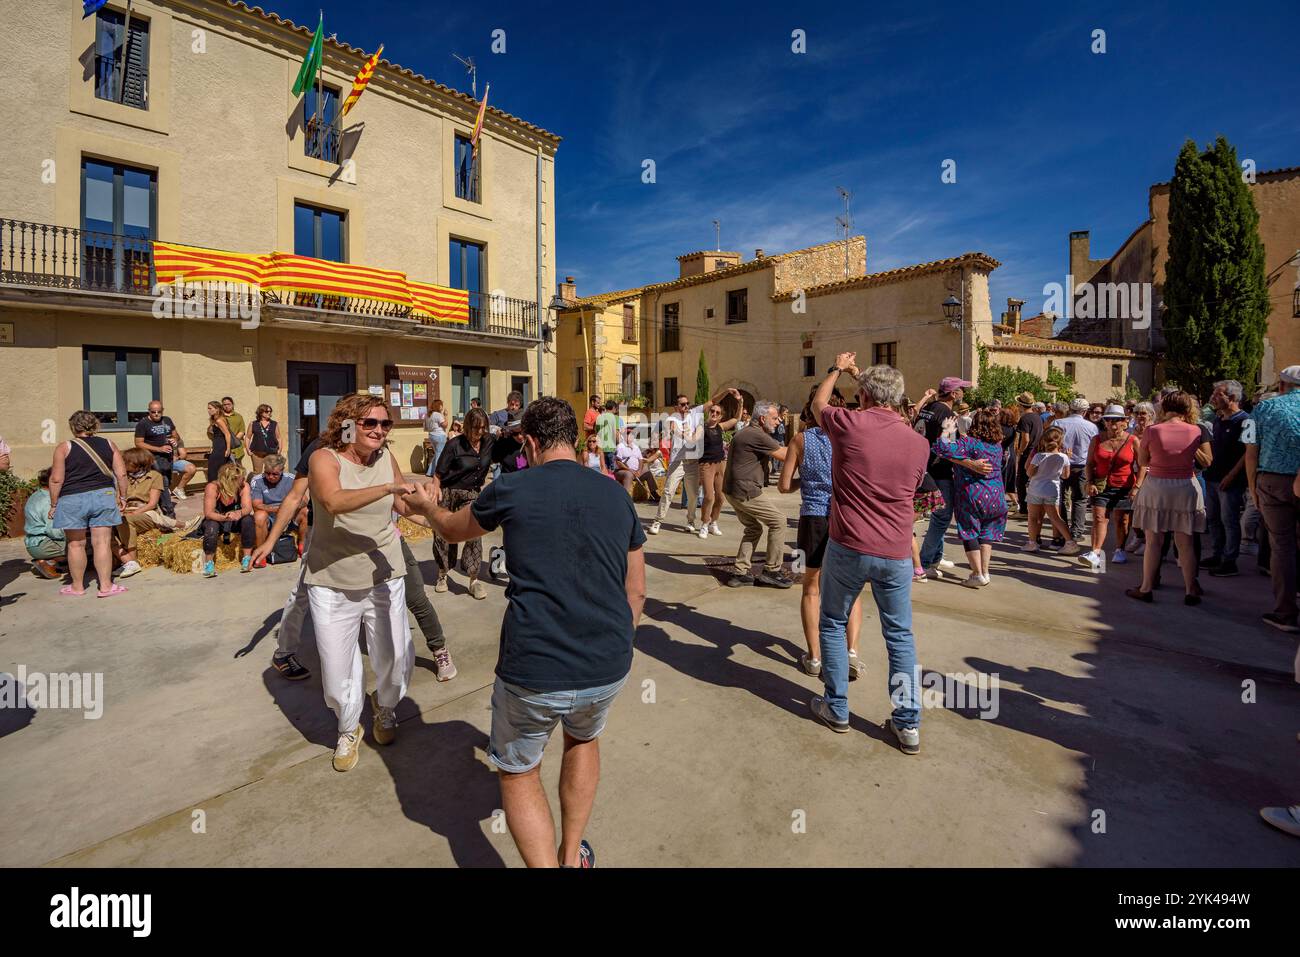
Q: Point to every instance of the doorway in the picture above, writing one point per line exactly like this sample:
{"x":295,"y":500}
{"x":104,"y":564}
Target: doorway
{"x":314,"y":389}
{"x":467,"y":382}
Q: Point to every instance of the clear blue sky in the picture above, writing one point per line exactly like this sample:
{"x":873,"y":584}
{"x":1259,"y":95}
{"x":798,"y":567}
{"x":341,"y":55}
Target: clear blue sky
{"x":1048,"y":137}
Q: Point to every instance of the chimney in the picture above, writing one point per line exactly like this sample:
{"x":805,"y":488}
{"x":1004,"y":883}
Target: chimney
{"x":568,"y":290}
{"x":1013,"y":314}
{"x":758,"y":253}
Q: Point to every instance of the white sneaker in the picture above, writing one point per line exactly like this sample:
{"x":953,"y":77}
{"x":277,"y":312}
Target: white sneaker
{"x":347,"y":750}
{"x":180,"y":493}
{"x":944,"y":563}
{"x":1029,"y":547}
{"x":1091,"y":558}
{"x":653,"y":529}
{"x":713,"y":529}
{"x":974,"y":581}
{"x":704,"y":531}
{"x":933,"y":572}
{"x":692,"y":530}
{"x":478,"y":589}
{"x":129,"y":569}
{"x":1142,"y":547}
{"x":1120,"y":557}
{"x":985,"y":580}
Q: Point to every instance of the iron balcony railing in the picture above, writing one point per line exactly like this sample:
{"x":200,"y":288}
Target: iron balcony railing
{"x":64,"y":257}
{"x":322,"y":141}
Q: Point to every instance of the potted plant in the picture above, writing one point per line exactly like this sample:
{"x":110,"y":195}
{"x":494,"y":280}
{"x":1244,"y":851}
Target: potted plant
{"x":14,"y":493}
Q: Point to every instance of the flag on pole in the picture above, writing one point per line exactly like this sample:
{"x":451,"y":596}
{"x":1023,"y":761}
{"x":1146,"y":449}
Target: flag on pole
{"x":90,"y":6}
{"x":311,"y":63}
{"x":362,"y":78}
{"x":478,"y":121}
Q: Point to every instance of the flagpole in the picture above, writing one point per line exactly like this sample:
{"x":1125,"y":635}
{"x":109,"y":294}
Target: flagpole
{"x":320,"y":107}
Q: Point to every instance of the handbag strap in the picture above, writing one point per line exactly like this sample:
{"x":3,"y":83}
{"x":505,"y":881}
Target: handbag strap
{"x":94,"y":456}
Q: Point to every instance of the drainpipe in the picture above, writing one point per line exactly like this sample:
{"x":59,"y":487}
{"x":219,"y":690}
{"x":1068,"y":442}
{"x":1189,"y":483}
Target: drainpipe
{"x":541,"y":278}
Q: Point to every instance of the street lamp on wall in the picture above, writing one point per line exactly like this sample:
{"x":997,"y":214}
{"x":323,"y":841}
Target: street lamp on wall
{"x":952,"y":311}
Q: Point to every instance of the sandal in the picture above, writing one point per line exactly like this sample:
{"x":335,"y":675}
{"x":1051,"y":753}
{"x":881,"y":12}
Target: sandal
{"x":115,"y":590}
{"x":69,"y":590}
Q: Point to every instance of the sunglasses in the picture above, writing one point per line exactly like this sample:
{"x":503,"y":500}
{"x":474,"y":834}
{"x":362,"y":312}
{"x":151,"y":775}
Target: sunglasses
{"x":372,"y":423}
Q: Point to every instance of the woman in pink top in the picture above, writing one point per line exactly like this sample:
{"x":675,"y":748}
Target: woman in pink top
{"x":1167,"y":494}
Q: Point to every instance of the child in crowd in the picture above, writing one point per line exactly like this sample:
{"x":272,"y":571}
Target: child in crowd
{"x":1047,"y":467}
{"x":981,"y":497}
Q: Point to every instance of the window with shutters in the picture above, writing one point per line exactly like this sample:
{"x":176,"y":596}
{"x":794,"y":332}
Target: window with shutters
{"x":1117,"y":375}
{"x":1069,"y":371}
{"x":467,"y":170}
{"x":737,"y":306}
{"x":670,"y":336}
{"x":670,"y":391}
{"x":122,"y":58}
{"x":885,"y":354}
{"x":629,"y":322}
{"x":322,"y":138}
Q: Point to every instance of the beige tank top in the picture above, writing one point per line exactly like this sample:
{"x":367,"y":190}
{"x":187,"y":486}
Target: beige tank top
{"x":360,"y":549}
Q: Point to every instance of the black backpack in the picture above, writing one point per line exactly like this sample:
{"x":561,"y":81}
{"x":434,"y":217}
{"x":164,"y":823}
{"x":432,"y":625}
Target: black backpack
{"x":285,"y":551}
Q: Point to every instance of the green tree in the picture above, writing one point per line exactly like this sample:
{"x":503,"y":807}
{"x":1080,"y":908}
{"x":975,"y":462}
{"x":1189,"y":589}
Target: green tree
{"x":702,"y":393}
{"x":1002,"y":382}
{"x":1062,"y":384}
{"x":1216,"y":299}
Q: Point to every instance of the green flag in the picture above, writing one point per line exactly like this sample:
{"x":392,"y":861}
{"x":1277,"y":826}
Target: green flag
{"x":311,"y":63}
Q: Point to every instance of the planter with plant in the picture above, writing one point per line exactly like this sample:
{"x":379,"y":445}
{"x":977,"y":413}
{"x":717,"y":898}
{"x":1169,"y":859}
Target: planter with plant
{"x":14,"y":493}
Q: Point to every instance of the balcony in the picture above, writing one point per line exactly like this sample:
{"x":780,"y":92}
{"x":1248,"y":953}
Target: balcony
{"x":120,"y":270}
{"x":322,"y":141}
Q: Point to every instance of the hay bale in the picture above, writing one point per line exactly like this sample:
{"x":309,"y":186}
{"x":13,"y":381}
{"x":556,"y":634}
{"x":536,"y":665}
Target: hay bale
{"x":411,"y":531}
{"x":149,"y":549}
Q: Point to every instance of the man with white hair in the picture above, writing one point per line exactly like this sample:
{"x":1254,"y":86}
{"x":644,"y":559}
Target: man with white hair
{"x":1079,"y":433}
{"x":1272,"y":464}
{"x":1225,"y":480}
{"x":877,"y":464}
{"x":743,"y":484}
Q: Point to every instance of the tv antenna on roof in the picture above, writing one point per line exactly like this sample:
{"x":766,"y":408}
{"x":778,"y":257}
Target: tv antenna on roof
{"x":717,"y":234}
{"x":845,"y":222}
{"x":472,"y":70}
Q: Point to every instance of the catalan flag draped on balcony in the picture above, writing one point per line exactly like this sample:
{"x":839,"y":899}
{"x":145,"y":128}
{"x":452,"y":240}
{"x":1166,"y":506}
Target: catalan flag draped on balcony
{"x":286,"y":272}
{"x":478,"y":120}
{"x":362,"y":78}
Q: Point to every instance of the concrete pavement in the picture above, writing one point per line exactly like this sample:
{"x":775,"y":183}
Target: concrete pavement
{"x":1121,"y":736}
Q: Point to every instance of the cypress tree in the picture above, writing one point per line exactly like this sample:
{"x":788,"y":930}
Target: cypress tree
{"x":702,"y":381}
{"x":1216,"y":298}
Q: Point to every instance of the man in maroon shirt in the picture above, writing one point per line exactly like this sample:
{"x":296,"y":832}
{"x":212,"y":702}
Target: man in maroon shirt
{"x":877,"y":463}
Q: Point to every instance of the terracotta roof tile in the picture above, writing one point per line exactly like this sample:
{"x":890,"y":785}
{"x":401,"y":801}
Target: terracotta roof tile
{"x":1014,"y":343}
{"x":409,"y":74}
{"x":980,"y":260}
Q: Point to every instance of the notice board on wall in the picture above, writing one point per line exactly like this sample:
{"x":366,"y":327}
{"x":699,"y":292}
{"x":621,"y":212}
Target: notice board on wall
{"x":409,"y":390}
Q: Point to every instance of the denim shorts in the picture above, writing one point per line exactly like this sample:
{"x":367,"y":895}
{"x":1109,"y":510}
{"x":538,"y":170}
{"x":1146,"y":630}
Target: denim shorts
{"x":82,"y":510}
{"x":522,"y":720}
{"x":1033,"y":499}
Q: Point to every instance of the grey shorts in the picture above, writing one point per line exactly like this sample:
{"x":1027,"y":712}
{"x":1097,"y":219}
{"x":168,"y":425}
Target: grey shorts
{"x":1040,"y":499}
{"x":523,"y":719}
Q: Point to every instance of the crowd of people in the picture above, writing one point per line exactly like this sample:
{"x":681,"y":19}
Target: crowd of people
{"x":881,"y":481}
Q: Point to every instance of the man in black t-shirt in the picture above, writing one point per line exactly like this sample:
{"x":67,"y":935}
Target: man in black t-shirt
{"x":577,"y":585}
{"x":156,"y":433}
{"x":951,"y":390}
{"x":1029,"y":429}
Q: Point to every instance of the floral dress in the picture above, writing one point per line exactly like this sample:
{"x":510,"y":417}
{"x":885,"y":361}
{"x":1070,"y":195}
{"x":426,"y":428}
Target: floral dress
{"x":981,"y":499}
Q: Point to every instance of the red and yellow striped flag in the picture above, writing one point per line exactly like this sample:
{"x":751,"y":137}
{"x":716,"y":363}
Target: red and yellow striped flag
{"x":478,"y":120}
{"x":362,"y":78}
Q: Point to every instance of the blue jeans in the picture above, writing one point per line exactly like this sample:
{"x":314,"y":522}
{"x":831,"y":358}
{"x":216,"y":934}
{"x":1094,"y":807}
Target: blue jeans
{"x":940,"y":519}
{"x":844,"y":574}
{"x":439,"y":441}
{"x":1223,"y":508}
